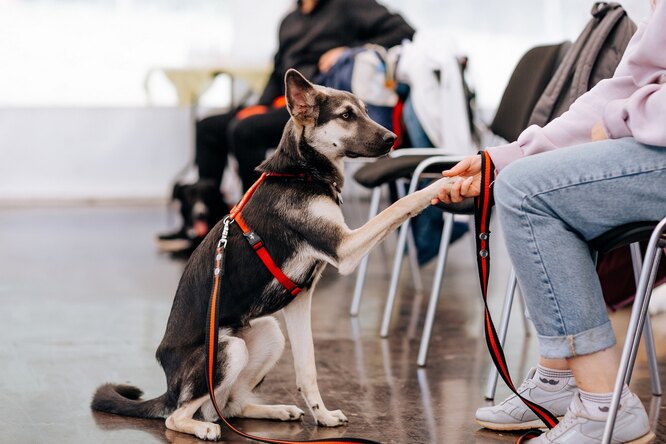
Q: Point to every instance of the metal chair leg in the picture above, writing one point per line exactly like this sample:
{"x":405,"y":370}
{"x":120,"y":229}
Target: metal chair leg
{"x":447,"y":230}
{"x":363,"y":266}
{"x":412,"y":253}
{"x":412,"y":256}
{"x":400,"y":247}
{"x":395,"y":277}
{"x":637,"y":263}
{"x":491,"y":386}
{"x":647,"y":277}
{"x":655,"y":382}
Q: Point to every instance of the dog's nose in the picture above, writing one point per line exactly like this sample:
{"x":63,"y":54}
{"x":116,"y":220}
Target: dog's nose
{"x":389,"y":138}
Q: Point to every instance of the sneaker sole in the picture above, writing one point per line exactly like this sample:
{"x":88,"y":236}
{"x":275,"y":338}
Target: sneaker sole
{"x":645,"y":439}
{"x":173,"y":245}
{"x":528,"y":425}
{"x":537,"y":424}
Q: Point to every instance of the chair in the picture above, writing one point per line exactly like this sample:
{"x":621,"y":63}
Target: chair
{"x":639,"y":322}
{"x":400,"y":164}
{"x":526,"y":85}
{"x":644,"y":274}
{"x":529,"y":79}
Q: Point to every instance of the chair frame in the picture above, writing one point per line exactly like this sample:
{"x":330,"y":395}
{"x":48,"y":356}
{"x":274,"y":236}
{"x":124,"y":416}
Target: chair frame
{"x":417,"y":175}
{"x":639,"y":322}
{"x":409,"y":240}
{"x":491,"y":385}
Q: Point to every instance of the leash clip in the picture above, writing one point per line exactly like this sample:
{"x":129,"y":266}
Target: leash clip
{"x":222,"y":243}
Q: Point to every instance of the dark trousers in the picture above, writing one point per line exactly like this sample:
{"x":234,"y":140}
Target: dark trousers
{"x":247,"y":139}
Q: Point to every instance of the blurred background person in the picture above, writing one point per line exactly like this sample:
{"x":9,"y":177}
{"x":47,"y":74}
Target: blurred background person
{"x":312,"y":38}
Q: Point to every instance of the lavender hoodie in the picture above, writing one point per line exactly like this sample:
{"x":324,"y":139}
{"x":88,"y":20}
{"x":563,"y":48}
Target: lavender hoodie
{"x":630,"y":104}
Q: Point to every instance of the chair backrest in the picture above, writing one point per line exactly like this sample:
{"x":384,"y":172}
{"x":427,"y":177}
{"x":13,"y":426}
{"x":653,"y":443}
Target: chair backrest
{"x":527,"y":83}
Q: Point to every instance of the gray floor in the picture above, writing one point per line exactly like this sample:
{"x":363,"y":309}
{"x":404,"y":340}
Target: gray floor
{"x":84,"y":298}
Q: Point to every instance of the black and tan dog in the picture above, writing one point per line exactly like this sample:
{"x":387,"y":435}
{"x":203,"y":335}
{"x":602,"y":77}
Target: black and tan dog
{"x":301,"y":224}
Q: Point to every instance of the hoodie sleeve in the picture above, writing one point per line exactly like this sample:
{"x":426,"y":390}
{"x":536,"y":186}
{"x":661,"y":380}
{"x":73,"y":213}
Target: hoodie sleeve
{"x":628,"y":104}
{"x":640,"y":115}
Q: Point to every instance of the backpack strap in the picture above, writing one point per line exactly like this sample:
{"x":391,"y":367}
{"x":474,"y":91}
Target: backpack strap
{"x":541,"y":114}
{"x":608,"y":16}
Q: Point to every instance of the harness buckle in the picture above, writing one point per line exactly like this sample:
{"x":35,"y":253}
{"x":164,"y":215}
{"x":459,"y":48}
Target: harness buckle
{"x":252,"y":238}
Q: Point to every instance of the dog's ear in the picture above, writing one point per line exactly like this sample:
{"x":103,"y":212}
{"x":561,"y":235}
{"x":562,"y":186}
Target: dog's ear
{"x":301,"y":97}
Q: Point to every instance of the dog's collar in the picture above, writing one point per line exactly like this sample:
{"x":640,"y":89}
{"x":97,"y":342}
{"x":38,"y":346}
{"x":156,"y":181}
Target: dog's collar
{"x":305,"y":176}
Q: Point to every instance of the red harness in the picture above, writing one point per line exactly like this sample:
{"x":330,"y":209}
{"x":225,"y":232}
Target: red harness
{"x":255,"y":241}
{"x":213,"y":309}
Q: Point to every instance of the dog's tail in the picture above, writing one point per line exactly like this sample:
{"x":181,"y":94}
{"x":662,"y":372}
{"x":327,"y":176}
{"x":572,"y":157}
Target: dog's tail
{"x":125,"y":400}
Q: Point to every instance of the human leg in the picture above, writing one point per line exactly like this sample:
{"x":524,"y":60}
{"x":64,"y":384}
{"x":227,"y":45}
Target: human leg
{"x":212,"y":146}
{"x":210,"y":158}
{"x":251,"y":137}
{"x":549,"y":206}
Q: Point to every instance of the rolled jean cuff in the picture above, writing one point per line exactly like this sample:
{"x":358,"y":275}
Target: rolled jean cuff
{"x":589,"y":341}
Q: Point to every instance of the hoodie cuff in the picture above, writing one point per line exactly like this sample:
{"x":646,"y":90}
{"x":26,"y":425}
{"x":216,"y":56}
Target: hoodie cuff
{"x":614,"y":119}
{"x":505,"y":154}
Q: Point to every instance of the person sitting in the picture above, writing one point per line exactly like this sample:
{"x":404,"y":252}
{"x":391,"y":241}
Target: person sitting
{"x":600,"y":165}
{"x":311,"y":39}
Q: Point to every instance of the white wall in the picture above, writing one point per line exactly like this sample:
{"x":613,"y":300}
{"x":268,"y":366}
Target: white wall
{"x":91,"y":153}
{"x":60,"y":54}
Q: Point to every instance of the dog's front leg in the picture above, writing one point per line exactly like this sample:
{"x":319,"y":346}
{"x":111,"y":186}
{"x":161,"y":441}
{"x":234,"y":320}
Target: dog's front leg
{"x":357,"y":243}
{"x":297,"y":319}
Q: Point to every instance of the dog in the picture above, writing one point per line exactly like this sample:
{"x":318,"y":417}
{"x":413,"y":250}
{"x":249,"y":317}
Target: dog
{"x":302,"y":226}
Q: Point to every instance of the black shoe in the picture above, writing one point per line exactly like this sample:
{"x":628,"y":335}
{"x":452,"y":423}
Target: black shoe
{"x":174,"y":242}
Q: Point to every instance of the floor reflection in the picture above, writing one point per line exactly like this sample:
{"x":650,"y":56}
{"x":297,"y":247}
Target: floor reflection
{"x":87,"y":328}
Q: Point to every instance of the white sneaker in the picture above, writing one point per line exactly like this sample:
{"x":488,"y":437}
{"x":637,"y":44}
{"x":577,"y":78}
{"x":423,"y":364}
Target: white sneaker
{"x":578,"y":427}
{"x":513,"y":414}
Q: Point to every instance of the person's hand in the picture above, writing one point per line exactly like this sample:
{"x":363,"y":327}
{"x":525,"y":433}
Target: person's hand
{"x":329,"y":58}
{"x":468,"y":183}
{"x":598,"y":132}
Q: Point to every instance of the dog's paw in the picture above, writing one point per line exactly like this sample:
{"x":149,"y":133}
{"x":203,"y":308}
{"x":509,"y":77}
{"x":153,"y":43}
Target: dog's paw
{"x":208,"y":431}
{"x":432,"y":190}
{"x":288,"y":413}
{"x":330,"y":418}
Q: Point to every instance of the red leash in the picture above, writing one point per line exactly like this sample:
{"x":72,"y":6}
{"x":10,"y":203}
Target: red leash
{"x":484,"y":203}
{"x":213,"y":309}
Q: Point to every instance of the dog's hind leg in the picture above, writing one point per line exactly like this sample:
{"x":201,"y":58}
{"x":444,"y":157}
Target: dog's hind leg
{"x":297,"y":317}
{"x":181,"y":421}
{"x":265,"y":344}
{"x":232,"y":359}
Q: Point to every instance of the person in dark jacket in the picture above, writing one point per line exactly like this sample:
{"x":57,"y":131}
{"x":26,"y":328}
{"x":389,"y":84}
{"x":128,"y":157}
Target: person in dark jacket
{"x":311,"y":39}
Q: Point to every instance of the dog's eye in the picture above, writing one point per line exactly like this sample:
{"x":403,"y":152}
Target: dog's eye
{"x":345,"y":116}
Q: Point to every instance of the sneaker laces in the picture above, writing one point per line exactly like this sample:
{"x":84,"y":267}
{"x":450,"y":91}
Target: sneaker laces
{"x":527,"y":384}
{"x":567,"y":422}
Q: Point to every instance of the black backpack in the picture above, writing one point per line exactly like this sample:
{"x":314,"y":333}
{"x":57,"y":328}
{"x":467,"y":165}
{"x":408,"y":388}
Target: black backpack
{"x":594,"y":56}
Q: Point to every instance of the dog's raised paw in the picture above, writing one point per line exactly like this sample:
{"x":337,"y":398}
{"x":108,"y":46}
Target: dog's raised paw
{"x":330,"y":418}
{"x":208,"y":431}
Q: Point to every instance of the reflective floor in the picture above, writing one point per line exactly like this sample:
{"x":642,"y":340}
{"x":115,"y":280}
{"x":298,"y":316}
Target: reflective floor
{"x":84,"y":298}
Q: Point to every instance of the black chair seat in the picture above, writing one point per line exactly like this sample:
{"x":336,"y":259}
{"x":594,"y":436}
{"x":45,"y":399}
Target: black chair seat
{"x":625,"y":235}
{"x":389,"y":169}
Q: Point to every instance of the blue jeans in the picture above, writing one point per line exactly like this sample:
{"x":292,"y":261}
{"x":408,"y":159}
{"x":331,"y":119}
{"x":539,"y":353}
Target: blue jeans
{"x":549,"y":206}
